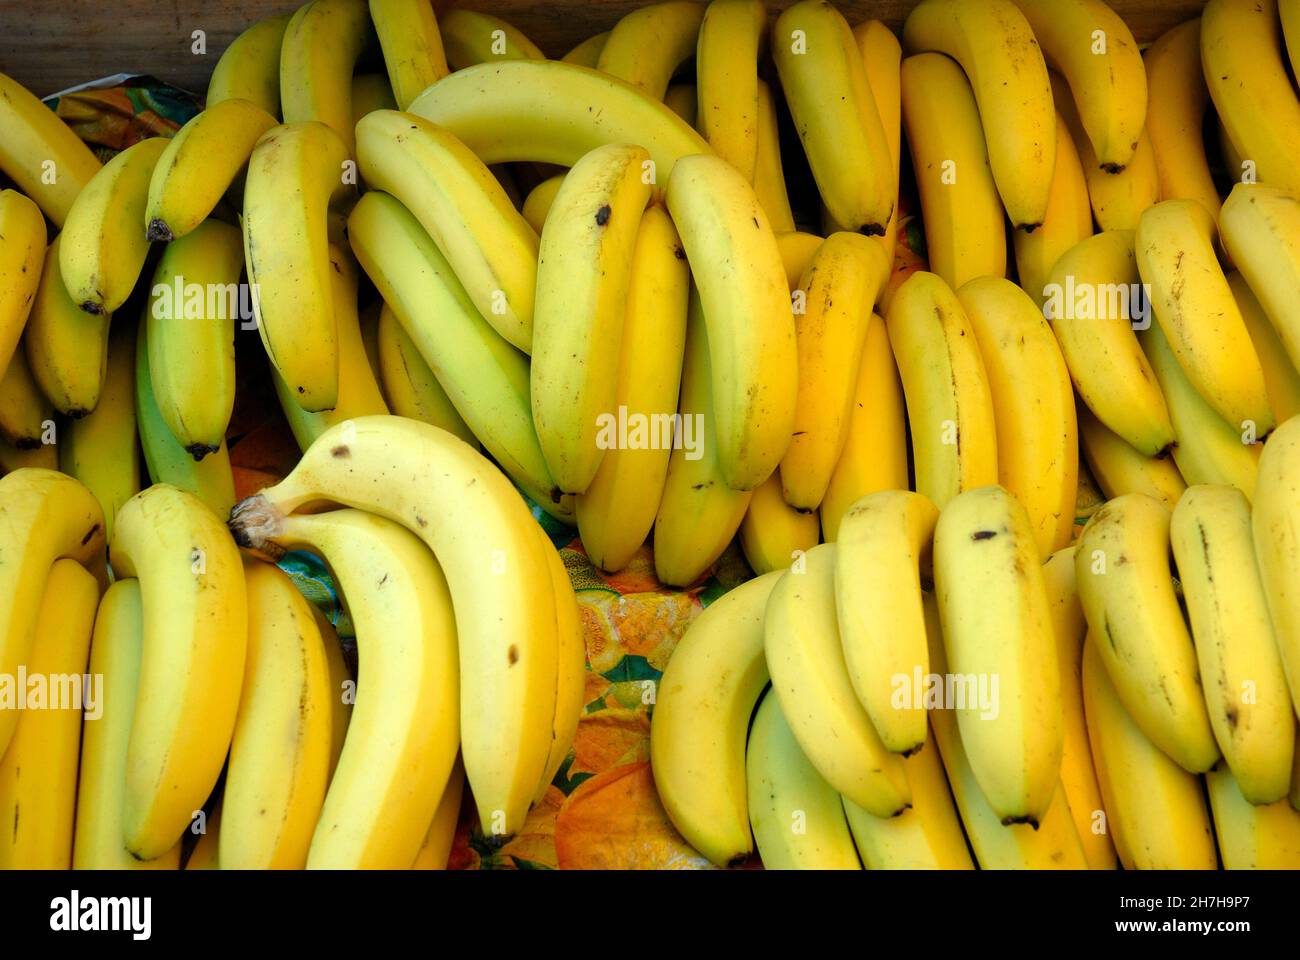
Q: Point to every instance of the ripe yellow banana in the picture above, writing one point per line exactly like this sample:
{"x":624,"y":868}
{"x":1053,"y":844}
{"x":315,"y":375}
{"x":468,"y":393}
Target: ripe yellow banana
{"x":963,"y":216}
{"x":1241,"y":54}
{"x":571,"y":667}
{"x":810,"y":676}
{"x":1089,"y":300}
{"x":1155,"y":810}
{"x":1261,"y":232}
{"x":797,"y":817}
{"x":1119,"y":469}
{"x":647,"y":45}
{"x":1123,"y":580}
{"x":769,"y":177}
{"x":249,"y":69}
{"x":199,"y":164}
{"x":774,"y":534}
{"x":297,"y":173}
{"x":438,"y":841}
{"x":1252,"y":837}
{"x":485,"y":377}
{"x":883,"y":551}
{"x":1176,"y":101}
{"x":410,"y":389}
{"x":698,"y":730}
{"x":483,"y":536}
{"x":995,"y":45}
{"x":192,"y":660}
{"x":412,"y":45}
{"x":470,"y":37}
{"x":731,"y":38}
{"x":26,"y":416}
{"x":22,"y":254}
{"x":41,"y":154}
{"x":617,"y":510}
{"x":1033,"y":406}
{"x":587,"y":53}
{"x":1276,"y":525}
{"x":1281,"y":378}
{"x":949,"y":405}
{"x":834,"y":110}
{"x":1068,"y":219}
{"x":540,"y":200}
{"x":318,"y":55}
{"x":341,"y":684}
{"x":683,"y":100}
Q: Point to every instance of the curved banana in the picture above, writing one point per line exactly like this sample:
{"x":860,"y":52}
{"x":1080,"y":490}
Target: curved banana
{"x":743,"y":294}
{"x":1261,"y":232}
{"x":1276,"y":525}
{"x":412,"y":46}
{"x":1176,"y":102}
{"x":409,"y":387}
{"x":1281,"y":378}
{"x":647,"y":45}
{"x":825,"y":84}
{"x":774,"y":534}
{"x":297,"y":173}
{"x":483,"y":536}
{"x":26,"y":415}
{"x":436,"y":849}
{"x":470,"y":37}
{"x":797,"y":252}
{"x":617,"y":510}
{"x":1067,"y":222}
{"x":964,"y":233}
{"x":318,"y":56}
{"x":1155,"y":810}
{"x":192,"y":659}
{"x":571,"y":668}
{"x":1120,"y":469}
{"x":539,"y":201}
{"x":249,"y":69}
{"x":809,"y":675}
{"x":769,"y":177}
{"x":996,"y":47}
{"x":1090,"y":300}
{"x":22,"y":255}
{"x":949,"y":404}
{"x":1252,"y":837}
{"x":1033,"y":406}
{"x":279,"y":752}
{"x":882,"y":547}
{"x":485,"y":377}
{"x":199,"y":164}
{"x":587,"y":53}
{"x":731,"y":38}
{"x":1123,"y":580}
{"x":40,"y":153}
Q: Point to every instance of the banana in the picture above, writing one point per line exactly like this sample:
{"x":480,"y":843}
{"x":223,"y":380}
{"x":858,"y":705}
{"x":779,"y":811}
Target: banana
{"x":192,"y":659}
{"x":698,"y":730}
{"x":22,"y":254}
{"x":457,"y":200}
{"x":996,"y":624}
{"x":296,"y":174}
{"x":1067,"y":222}
{"x":737,"y":268}
{"x":540,"y":199}
{"x":1176,"y":102}
{"x":101,"y":450}
{"x":412,"y":46}
{"x":571,"y":668}
{"x":436,"y":850}
{"x":26,"y":416}
{"x":1055,"y":845}
{"x":1209,"y":449}
{"x":191,"y":319}
{"x":797,"y":817}
{"x":683,"y":100}
{"x":199,"y":164}
{"x":1276,"y":525}
{"x":114,"y":656}
{"x":1155,"y":810}
{"x":1107,"y":80}
{"x":769,"y":177}
{"x":1261,"y":232}
{"x":1175,"y":253}
{"x":927,"y":836}
{"x":587,"y":53}
{"x":470,"y":37}
{"x":797,"y":252}
{"x":1090,"y":300}
{"x":874,"y":456}
{"x":102,"y":248}
{"x":249,"y":69}
{"x":409,"y":387}
{"x":341,"y":684}
{"x":1241,"y":670}
{"x":617,"y":510}
{"x":834,"y":110}
{"x":1119,"y":469}
{"x":1252,"y":837}
{"x":583,"y":272}
{"x":371,"y":92}
{"x":731,"y":39}
{"x":774,"y":534}
{"x":839,"y":287}
{"x":809,"y":675}
{"x":318,"y":56}
{"x":40,"y":153}
{"x":963,"y":216}
{"x":38,"y":774}
{"x":699,"y":513}
{"x":1241,"y":54}
{"x":44,"y":516}
{"x":1123,"y":580}
{"x":485,"y":377}
{"x":1078,"y":775}
{"x":1281,"y":378}
{"x":279,"y":753}
{"x":483,"y":536}
{"x":647,"y":45}
{"x":883,"y":551}
{"x":949,"y":404}
{"x":996,"y":47}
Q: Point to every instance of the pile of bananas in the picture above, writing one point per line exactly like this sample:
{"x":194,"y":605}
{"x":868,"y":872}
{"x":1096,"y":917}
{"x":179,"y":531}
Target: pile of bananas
{"x":482,"y":273}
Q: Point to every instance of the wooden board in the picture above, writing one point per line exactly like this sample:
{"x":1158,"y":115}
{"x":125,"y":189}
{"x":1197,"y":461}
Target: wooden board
{"x":50,"y":45}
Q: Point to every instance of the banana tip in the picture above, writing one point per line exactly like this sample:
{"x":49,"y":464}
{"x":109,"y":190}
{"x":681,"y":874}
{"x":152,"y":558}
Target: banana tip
{"x":872,"y":229}
{"x":254,"y":521}
{"x":200,"y":450}
{"x":89,"y":306}
{"x":1112,"y":168}
{"x":158,"y":231}
{"x":1031,"y":820}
